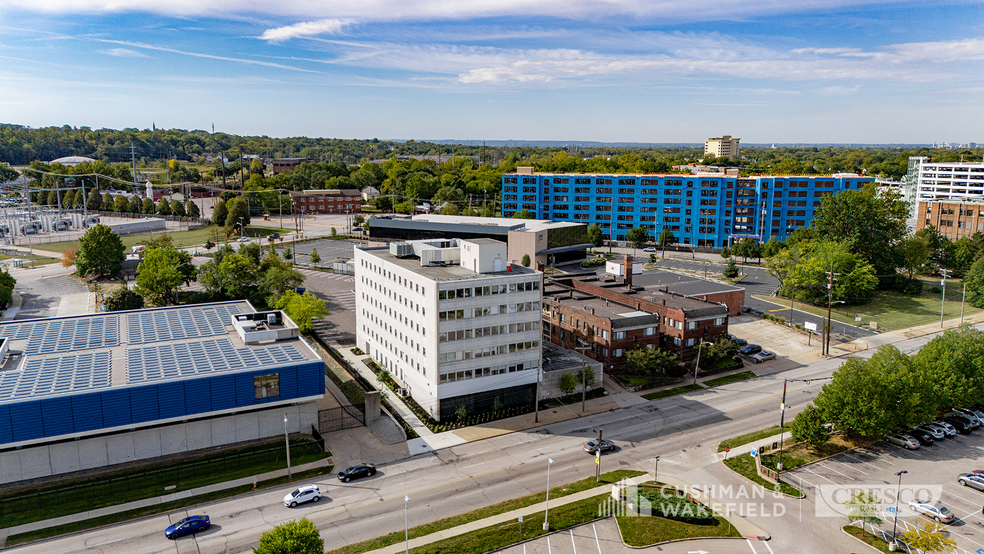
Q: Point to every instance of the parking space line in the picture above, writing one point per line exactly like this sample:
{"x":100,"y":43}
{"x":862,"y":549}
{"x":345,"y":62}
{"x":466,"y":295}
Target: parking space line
{"x":835,"y":471}
{"x":971,"y":502}
{"x":597,"y":542}
{"x":573,"y":544}
{"x":549,"y":551}
{"x":821,"y":476}
{"x":749,"y":541}
{"x":766,"y":543}
{"x":861,"y":461}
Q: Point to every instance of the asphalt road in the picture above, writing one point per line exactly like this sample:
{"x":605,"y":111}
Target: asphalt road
{"x":681,"y":429}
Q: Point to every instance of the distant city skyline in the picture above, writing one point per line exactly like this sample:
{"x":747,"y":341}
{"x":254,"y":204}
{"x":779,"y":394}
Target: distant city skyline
{"x":833,"y":71}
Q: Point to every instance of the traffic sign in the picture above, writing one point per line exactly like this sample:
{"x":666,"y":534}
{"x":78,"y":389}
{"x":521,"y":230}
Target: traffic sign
{"x":753,"y":453}
{"x":727,"y":449}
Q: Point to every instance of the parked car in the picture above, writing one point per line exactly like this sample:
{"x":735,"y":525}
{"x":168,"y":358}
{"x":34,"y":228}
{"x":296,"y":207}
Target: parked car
{"x":750,"y":349}
{"x":649,"y":249}
{"x":739,"y":341}
{"x":950,"y":430}
{"x":973,"y":480}
{"x":592,"y":446}
{"x":972,"y":421}
{"x":960,"y":423}
{"x":937,"y":432}
{"x":935,"y":510}
{"x":187,"y":526}
{"x":357,"y":471}
{"x":904,"y":441}
{"x":763,"y":356}
{"x":307,"y":493}
{"x":972,"y":415}
{"x":925,"y":438}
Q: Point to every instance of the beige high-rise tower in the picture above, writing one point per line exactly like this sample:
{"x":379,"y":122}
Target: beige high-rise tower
{"x":721,"y":147}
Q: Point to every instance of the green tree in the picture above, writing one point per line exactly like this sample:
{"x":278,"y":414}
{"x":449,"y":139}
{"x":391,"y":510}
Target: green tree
{"x":929,"y":537}
{"x":914,"y":253}
{"x":148,"y":207}
{"x":523,"y":214}
{"x":974,"y":280}
{"x":645,"y":361}
{"x":855,"y":280}
{"x":725,"y":252}
{"x":220,"y":213}
{"x":637,"y":236}
{"x":121,"y":204}
{"x":94,"y":201}
{"x":315,"y":257}
{"x":808,"y":427}
{"x":865,"y":507}
{"x":595,"y":236}
{"x":781,"y":263}
{"x":461,"y":413}
{"x":278,"y":280}
{"x":123,"y":299}
{"x":191,"y":208}
{"x":7,"y":282}
{"x":238,"y":213}
{"x":949,"y":370}
{"x":772,"y":247}
{"x":731,"y":270}
{"x":161,"y":272}
{"x":101,"y":252}
{"x":292,"y":537}
{"x":667,"y":237}
{"x":234,"y":277}
{"x":302,"y":308}
{"x":164,"y":207}
{"x":107,"y":202}
{"x":52,"y":198}
{"x":747,"y":248}
{"x":177,"y":208}
{"x":526,"y":260}
{"x":568,"y":383}
{"x":135,"y":205}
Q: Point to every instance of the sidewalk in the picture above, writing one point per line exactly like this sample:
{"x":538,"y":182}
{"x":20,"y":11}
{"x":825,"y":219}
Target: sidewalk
{"x":746,"y":528}
{"x":82,"y":516}
{"x":891,"y":337}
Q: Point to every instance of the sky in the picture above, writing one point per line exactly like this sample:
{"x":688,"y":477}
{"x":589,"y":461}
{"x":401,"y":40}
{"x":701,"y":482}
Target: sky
{"x":767,"y":71}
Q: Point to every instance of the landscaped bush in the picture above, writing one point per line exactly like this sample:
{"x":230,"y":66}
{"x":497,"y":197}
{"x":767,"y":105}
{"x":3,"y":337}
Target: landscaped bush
{"x":595,"y":262}
{"x":668,"y":504}
{"x":357,"y":351}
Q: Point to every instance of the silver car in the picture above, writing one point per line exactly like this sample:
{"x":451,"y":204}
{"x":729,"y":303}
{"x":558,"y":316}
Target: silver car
{"x":972,"y":414}
{"x":974,"y":422}
{"x":934,"y":510}
{"x":950,"y":430}
{"x":937,"y":432}
{"x":972,"y":480}
{"x":904,"y":441}
{"x":763,"y":356}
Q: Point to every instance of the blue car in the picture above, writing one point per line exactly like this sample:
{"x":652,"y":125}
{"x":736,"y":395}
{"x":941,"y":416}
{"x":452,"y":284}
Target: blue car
{"x":187,"y":526}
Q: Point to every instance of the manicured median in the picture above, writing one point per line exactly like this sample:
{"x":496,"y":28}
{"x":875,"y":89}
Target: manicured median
{"x":748,"y":437}
{"x":727,"y":379}
{"x":671,"y":392}
{"x":744,"y":465}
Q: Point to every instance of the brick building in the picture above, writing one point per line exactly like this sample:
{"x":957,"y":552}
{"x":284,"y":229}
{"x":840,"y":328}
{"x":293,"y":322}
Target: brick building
{"x":952,"y":218}
{"x":328,"y":201}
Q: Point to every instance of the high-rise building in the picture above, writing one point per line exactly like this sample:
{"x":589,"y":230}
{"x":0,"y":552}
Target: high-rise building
{"x":927,"y":181}
{"x":953,"y":219}
{"x":721,"y":147}
{"x":452,"y":321}
{"x":700,"y":209}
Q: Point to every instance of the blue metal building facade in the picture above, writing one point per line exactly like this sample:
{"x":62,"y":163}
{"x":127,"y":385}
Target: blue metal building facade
{"x":703,"y":209}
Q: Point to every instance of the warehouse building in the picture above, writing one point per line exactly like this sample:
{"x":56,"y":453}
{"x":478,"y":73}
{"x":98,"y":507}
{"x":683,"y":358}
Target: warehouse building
{"x":88,"y":391}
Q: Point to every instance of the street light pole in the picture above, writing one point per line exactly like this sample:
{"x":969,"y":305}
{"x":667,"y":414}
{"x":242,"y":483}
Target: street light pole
{"x":895,"y":525}
{"x":287,"y":440}
{"x":782,"y":422}
{"x":943,"y":296}
{"x":406,"y":524}
{"x":546,"y":509}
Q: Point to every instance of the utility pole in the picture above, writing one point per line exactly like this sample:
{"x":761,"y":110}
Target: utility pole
{"x":946,"y":273}
{"x":962,"y":300}
{"x":830,"y":293}
{"x":584,"y":372}
{"x":782,"y":421}
{"x":133,"y":160}
{"x":598,"y":459}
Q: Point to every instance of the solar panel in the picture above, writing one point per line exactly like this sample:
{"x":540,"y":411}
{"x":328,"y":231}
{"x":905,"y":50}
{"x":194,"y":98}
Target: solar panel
{"x":186,"y":323}
{"x":56,"y":375}
{"x":166,"y":361}
{"x":54,"y":336}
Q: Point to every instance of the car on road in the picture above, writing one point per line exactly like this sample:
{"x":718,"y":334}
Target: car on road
{"x":925,"y":438}
{"x":592,"y":446}
{"x":739,"y":341}
{"x":242,"y":239}
{"x":649,"y":249}
{"x":307,"y":493}
{"x":934,"y":510}
{"x":763,"y":356}
{"x":950,"y":430}
{"x":904,"y":441}
{"x":750,"y":349}
{"x":963,"y":423}
{"x":357,"y":472}
{"x":273,"y":236}
{"x":973,"y":480}
{"x":187,"y":526}
{"x":937,"y":432}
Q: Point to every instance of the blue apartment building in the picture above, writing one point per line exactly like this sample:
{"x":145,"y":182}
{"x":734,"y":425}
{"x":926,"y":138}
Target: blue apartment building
{"x":706,"y":210}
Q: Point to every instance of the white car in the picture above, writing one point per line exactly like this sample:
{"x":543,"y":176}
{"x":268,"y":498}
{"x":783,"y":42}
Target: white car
{"x":649,"y":249}
{"x":950,"y":430}
{"x":243,"y":239}
{"x":904,"y":441}
{"x":304,"y":494}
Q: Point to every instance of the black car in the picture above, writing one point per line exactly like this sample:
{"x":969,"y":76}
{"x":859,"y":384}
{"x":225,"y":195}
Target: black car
{"x":273,"y":236}
{"x":592,"y":446}
{"x":750,"y":349}
{"x":925,"y":438}
{"x":961,"y":423}
{"x":739,"y":341}
{"x":357,"y":471}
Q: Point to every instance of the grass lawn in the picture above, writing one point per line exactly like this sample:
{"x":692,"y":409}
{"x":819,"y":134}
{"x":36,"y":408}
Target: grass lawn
{"x":50,"y":532}
{"x":729,"y":379}
{"x":802,"y":454}
{"x":32,"y":261}
{"x":891,"y":309}
{"x":649,"y":530}
{"x":671,"y":392}
{"x":59,"y":499}
{"x":744,"y":465}
{"x":502,"y":507}
{"x":748,"y":437}
{"x":633,"y":379}
{"x":195,"y":237}
{"x":877,"y":542}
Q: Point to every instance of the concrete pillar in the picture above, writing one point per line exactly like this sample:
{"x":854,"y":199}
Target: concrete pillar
{"x":372,"y":407}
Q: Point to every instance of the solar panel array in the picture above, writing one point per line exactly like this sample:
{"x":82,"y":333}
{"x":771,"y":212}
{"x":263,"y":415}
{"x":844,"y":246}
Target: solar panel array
{"x":167,"y":325}
{"x":57,"y":375}
{"x":166,"y":361}
{"x":65,"y":335}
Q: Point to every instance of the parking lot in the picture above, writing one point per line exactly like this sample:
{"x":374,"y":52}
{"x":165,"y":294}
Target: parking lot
{"x":935,"y":465}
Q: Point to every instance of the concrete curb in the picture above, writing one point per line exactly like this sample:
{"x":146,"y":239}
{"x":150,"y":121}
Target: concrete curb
{"x":859,"y":540}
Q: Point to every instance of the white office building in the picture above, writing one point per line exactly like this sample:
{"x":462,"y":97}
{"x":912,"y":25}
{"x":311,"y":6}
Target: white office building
{"x":452,"y":321}
{"x":927,"y":181}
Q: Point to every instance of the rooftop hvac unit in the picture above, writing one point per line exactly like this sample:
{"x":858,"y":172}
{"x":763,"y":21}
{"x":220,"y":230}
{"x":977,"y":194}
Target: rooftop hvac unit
{"x":401,"y":249}
{"x":272,"y":319}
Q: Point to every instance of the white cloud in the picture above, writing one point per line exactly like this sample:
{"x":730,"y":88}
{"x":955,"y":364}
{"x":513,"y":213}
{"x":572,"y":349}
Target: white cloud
{"x":124,"y":53}
{"x":310,"y":28}
{"x":840,"y":90}
{"x":207,"y":56}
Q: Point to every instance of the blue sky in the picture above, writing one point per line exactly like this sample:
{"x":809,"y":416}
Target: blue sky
{"x":768,"y":71}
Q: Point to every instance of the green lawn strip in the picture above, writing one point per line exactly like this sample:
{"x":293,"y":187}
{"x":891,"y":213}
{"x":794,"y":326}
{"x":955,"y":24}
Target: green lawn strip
{"x":32,"y":260}
{"x":490,"y":539}
{"x":744,"y":465}
{"x":801,"y":454}
{"x":671,"y":392}
{"x":890,"y":309}
{"x":730,"y":379}
{"x":649,"y":530}
{"x":43,"y":534}
{"x":60,"y":499}
{"x":489,"y":511}
{"x":867,"y":538}
{"x":194,"y":237}
{"x":748,"y":437}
